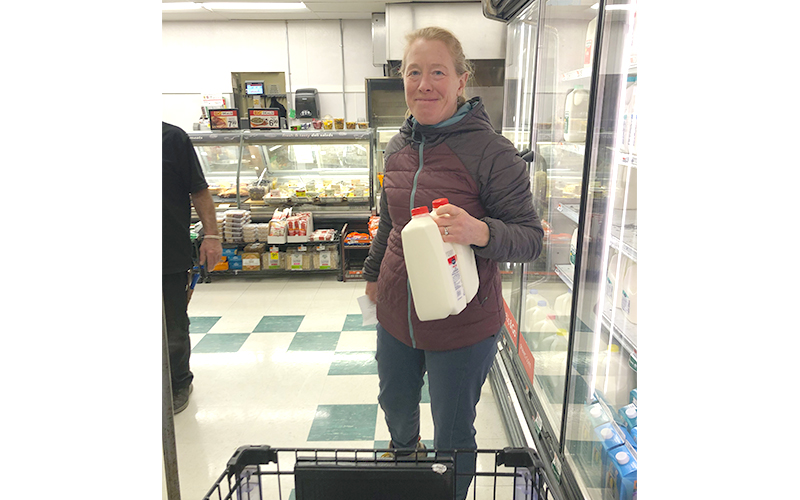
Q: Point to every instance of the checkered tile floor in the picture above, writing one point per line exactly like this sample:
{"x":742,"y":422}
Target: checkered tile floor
{"x":286,"y":362}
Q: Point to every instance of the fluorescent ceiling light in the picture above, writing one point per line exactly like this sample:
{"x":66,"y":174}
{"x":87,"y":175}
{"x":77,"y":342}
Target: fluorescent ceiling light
{"x":180,"y":6}
{"x":233,"y":6}
{"x":254,"y":6}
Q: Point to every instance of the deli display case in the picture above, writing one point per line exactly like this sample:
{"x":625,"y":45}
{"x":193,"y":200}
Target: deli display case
{"x":570,"y":346}
{"x":327,"y":173}
{"x":386,"y":109}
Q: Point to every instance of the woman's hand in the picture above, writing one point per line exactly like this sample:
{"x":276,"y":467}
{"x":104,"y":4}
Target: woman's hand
{"x":372,"y":291}
{"x":457,"y":226}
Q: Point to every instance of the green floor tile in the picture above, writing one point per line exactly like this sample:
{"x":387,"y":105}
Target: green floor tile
{"x":353,"y":324}
{"x":202,"y":324}
{"x":220,"y":342}
{"x":314,"y":341}
{"x":270,"y":324}
{"x":344,"y":423}
{"x":354,"y":363}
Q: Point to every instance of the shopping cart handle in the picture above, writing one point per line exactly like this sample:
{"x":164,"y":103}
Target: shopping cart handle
{"x":519,"y":457}
{"x":251,"y":455}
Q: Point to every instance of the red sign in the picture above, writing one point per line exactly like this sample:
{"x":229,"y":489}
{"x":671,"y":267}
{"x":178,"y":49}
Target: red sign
{"x":224,"y":119}
{"x":511,"y":323}
{"x":526,"y":357}
{"x":264,"y":118}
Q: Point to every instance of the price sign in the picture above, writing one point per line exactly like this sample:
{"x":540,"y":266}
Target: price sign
{"x":264,"y":118}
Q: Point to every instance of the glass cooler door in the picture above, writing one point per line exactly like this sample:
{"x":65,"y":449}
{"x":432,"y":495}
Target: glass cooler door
{"x":600,"y":433}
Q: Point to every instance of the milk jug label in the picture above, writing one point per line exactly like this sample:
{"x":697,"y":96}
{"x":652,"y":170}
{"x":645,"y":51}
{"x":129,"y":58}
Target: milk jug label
{"x":609,"y":287}
{"x":626,"y":303}
{"x":456,"y":274}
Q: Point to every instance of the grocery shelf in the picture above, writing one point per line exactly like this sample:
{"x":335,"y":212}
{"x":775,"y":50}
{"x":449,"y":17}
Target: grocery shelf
{"x":570,"y":211}
{"x":566,"y":273}
{"x":623,"y":330}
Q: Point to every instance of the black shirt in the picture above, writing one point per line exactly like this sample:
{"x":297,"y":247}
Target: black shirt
{"x":181,"y":176}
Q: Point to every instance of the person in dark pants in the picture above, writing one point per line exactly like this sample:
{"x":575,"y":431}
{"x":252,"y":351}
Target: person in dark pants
{"x":446,"y":148}
{"x":183,"y":185}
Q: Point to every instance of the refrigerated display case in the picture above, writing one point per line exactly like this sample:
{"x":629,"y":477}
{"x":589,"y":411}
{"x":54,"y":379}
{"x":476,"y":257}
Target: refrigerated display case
{"x":571,"y":343}
{"x":327,"y":173}
{"x":386,"y":109}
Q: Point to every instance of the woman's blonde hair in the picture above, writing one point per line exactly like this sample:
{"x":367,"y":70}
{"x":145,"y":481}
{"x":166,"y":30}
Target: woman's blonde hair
{"x":460,"y":61}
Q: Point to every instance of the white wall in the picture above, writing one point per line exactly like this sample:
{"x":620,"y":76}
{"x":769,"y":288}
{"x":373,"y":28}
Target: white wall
{"x":199,"y":57}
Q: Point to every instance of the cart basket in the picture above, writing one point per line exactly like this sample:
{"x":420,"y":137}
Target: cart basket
{"x":266,"y":473}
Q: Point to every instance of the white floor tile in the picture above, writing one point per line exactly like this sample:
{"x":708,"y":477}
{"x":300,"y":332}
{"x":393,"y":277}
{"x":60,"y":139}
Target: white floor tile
{"x":266,"y":394}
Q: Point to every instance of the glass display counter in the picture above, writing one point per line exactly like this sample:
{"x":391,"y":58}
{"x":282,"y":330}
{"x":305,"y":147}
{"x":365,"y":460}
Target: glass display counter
{"x":326,"y":172}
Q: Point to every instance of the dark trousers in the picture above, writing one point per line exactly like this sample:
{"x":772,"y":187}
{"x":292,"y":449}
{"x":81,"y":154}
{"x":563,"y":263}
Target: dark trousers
{"x":455,"y":379}
{"x":173,"y":291}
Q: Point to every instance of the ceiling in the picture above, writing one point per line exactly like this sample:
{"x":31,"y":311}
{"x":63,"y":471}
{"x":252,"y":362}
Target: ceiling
{"x":317,"y":9}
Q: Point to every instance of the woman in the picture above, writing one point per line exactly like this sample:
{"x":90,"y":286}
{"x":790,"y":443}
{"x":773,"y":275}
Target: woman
{"x":447,"y":148}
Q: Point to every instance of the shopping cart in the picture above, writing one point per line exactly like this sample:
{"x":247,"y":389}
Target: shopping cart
{"x":265,"y":473}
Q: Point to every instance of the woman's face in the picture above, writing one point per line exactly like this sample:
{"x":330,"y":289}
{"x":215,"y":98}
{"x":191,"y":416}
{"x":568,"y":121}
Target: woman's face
{"x":431,"y":83}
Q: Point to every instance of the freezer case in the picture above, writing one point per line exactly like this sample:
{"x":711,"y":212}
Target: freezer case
{"x":571,"y":76}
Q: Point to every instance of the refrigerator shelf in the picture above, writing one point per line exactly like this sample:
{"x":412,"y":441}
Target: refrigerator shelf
{"x":566,"y":272}
{"x":570,"y":211}
{"x":621,"y":329}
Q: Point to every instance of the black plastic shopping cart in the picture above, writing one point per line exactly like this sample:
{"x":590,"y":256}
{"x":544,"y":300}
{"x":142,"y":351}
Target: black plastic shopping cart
{"x":266,"y":473}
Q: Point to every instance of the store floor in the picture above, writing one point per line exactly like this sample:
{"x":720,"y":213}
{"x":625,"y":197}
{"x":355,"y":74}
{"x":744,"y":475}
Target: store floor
{"x":285,"y":362}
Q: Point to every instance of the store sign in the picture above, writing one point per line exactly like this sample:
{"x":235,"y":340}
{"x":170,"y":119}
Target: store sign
{"x":264,"y":118}
{"x":224,"y":119}
{"x":511,"y":323}
{"x":526,"y":357}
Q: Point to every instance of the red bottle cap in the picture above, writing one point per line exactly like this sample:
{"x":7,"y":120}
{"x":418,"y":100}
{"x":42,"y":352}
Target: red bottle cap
{"x":419,"y":211}
{"x":438,"y":203}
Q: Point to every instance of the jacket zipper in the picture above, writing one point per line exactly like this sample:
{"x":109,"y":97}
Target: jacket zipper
{"x":411,"y":207}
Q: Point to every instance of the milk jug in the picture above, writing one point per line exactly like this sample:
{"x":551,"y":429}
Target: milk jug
{"x":542,"y":330}
{"x":629,"y":295}
{"x":576,"y":115}
{"x":628,"y":413}
{"x":557,"y":342}
{"x":563,"y":304}
{"x":591,"y":30}
{"x":537,"y":314}
{"x":433,"y":274}
{"x":533,"y":299}
{"x":466,"y":261}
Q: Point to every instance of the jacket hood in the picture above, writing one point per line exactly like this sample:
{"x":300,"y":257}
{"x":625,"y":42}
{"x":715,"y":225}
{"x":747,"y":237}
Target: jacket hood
{"x":471,"y":116}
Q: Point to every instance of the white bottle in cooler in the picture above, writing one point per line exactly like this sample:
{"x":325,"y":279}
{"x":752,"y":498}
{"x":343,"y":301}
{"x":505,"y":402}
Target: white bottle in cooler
{"x":576,"y":114}
{"x":533,"y":299}
{"x":573,"y":246}
{"x":616,"y":271}
{"x":626,"y":118}
{"x":629,"y":293}
{"x":542,"y":330}
{"x":556,"y":341}
{"x":433,"y":274}
{"x":563,"y":304}
{"x":591,"y":31}
{"x":538,"y":313}
{"x":466,"y":261}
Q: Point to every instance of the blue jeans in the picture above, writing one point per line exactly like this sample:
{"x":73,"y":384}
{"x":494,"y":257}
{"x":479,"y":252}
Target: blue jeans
{"x":455,"y":379}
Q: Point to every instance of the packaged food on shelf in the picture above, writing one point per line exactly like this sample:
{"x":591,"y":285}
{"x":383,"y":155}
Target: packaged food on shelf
{"x":249,"y":232}
{"x":350,"y":125}
{"x":323,"y":235}
{"x":255,"y":248}
{"x":298,"y":260}
{"x":374,"y":221}
{"x":338,"y":123}
{"x":251,"y":261}
{"x":325,"y":257}
{"x":273,"y":260}
{"x":235,"y":263}
{"x":357,"y":239}
{"x":262,"y":232}
{"x":299,"y":227}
